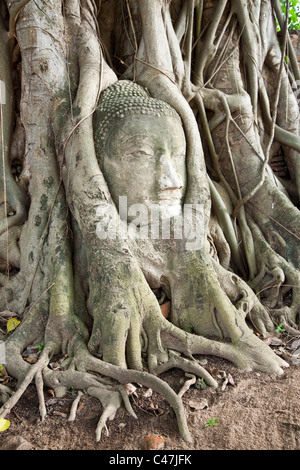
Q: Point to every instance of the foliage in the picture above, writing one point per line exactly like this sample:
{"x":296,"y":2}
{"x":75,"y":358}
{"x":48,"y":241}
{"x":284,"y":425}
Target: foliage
{"x":294,"y":14}
{"x":212,"y":422}
{"x":279,"y":329}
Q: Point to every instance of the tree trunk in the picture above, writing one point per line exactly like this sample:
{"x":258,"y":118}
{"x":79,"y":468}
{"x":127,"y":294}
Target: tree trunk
{"x":216,"y":70}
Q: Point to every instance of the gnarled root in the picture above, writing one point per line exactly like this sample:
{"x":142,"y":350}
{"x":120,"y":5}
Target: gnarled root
{"x":276,"y":280}
{"x":34,"y":372}
{"x":245,"y":300}
{"x":5,"y":393}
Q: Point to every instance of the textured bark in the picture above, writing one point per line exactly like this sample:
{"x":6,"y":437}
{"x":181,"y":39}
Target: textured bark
{"x":220,"y":66}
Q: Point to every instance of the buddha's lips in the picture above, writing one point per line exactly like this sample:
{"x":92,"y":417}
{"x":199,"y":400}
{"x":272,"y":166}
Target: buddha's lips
{"x":171,"y":189}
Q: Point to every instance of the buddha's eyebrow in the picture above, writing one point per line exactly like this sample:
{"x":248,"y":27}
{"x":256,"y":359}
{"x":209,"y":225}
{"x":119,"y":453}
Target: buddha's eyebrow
{"x":139,"y":139}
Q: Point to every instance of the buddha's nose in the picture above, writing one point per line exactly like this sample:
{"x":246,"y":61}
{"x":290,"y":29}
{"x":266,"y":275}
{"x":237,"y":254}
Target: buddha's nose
{"x":169,"y":178}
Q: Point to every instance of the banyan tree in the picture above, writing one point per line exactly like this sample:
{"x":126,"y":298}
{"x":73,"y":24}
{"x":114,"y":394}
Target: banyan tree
{"x":138,"y":141}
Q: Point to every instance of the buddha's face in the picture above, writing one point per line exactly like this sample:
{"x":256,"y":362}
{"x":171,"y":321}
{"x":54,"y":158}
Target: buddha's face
{"x":145,"y":161}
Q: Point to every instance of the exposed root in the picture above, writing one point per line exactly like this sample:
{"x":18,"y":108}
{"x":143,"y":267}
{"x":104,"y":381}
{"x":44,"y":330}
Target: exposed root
{"x":124,"y":395}
{"x":187,"y":384}
{"x":148,"y":380}
{"x":33,"y":371}
{"x":276,"y":279}
{"x":74,"y":407}
{"x":111,"y":402}
{"x":5,"y":393}
{"x":187,"y":365}
{"x":284,"y":317}
{"x":165,"y":341}
{"x":245,"y":300}
{"x":39,"y":387}
{"x":118,"y":304}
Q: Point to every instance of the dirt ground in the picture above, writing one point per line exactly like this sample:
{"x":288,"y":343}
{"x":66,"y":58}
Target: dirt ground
{"x":254,"y":411}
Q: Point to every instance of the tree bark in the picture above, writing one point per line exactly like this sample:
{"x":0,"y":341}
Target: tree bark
{"x":220,"y":67}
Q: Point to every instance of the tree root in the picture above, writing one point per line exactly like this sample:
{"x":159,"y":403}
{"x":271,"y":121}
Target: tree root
{"x":74,"y":407}
{"x":187,"y":365}
{"x":106,"y":381}
{"x":276,"y":278}
{"x":125,"y":376}
{"x":187,"y":384}
{"x":245,"y":300}
{"x":5,"y":393}
{"x":110,"y":396}
{"x":33,"y":372}
{"x":111,"y":401}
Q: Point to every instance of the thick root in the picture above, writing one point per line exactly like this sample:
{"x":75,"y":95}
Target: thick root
{"x":125,"y":376}
{"x":34,"y":372}
{"x":245,"y":300}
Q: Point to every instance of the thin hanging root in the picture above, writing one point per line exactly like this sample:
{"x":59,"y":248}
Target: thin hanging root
{"x":74,"y":406}
{"x":34,"y":370}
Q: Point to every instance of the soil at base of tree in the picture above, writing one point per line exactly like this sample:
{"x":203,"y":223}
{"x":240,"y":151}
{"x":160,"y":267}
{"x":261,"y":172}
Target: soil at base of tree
{"x":256,"y":411}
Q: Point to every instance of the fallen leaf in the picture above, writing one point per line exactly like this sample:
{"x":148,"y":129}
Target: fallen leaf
{"x":295,"y":344}
{"x":91,"y":415}
{"x":230,"y":380}
{"x":224,"y":384}
{"x":130,"y":389}
{"x":203,"y":362}
{"x":4,"y":424}
{"x":80,"y":406}
{"x":286,"y":355}
{"x":7,"y":314}
{"x":31,"y":360}
{"x":55,"y":365}
{"x":59,"y":413}
{"x":153,"y":406}
{"x":272,"y":340}
{"x":198,"y":405}
{"x":275,"y":341}
{"x":296,"y":353}
{"x":12,"y":324}
{"x":166,"y":309}
{"x":295,"y":361}
{"x":153,"y":442}
{"x":17,"y":443}
{"x":148,"y":393}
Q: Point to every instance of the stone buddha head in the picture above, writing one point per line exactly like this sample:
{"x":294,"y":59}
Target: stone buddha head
{"x":141,"y":148}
